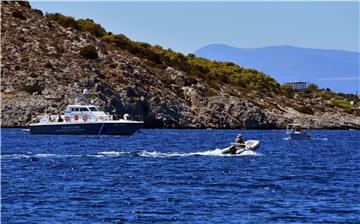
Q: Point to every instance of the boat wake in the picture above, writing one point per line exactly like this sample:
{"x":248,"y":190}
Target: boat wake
{"x":215,"y":152}
{"x":312,"y":138}
{"x":319,"y":139}
{"x":37,"y":155}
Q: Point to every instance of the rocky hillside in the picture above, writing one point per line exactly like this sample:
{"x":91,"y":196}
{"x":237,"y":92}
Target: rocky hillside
{"x":44,"y":64}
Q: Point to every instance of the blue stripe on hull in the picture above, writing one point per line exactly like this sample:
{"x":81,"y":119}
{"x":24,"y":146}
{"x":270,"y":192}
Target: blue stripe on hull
{"x":87,"y":129}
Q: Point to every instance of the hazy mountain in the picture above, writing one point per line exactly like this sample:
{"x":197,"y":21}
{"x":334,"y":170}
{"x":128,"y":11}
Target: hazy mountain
{"x":334,"y":69}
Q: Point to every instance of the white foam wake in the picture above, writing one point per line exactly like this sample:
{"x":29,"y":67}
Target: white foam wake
{"x":37,"y":155}
{"x":215,"y":152}
{"x":312,"y":138}
{"x":320,"y":139}
{"x":110,"y":153}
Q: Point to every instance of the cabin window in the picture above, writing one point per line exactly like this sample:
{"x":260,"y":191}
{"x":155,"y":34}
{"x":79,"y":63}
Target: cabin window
{"x":93,"y":109}
{"x":84,"y":109}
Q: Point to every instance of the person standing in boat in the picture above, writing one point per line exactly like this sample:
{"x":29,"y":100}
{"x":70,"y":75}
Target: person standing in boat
{"x":60,"y":119}
{"x":239,"y":140}
{"x":239,"y":144}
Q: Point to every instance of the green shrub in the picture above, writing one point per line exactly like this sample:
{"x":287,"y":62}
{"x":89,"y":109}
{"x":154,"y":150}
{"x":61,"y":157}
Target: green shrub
{"x":287,"y":90}
{"x":341,"y":103}
{"x":91,"y":27}
{"x":118,"y":39}
{"x":324,"y":94}
{"x":228,"y":72}
{"x":348,"y":97}
{"x":312,"y":87}
{"x":66,"y":21}
{"x":229,"y":64}
{"x":39,"y":12}
{"x":89,"y":52}
{"x":86,"y":25}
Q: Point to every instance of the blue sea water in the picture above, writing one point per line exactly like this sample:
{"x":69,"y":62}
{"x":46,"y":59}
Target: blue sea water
{"x":166,"y":176}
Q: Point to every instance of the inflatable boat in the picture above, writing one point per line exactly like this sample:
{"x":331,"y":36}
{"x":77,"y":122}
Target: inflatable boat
{"x":238,"y":148}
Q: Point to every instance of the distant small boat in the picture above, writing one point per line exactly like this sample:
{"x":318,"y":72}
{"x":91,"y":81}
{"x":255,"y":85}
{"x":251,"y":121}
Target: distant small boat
{"x":84,"y":120}
{"x":296,"y":131}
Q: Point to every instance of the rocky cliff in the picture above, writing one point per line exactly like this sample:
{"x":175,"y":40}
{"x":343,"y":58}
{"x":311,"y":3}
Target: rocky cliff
{"x":42,"y":69}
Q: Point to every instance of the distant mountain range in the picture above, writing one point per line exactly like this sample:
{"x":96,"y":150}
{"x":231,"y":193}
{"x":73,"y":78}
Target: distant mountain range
{"x":334,"y":69}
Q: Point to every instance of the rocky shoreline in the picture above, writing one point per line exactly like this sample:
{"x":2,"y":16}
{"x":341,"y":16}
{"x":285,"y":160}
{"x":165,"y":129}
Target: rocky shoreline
{"x":42,"y":70}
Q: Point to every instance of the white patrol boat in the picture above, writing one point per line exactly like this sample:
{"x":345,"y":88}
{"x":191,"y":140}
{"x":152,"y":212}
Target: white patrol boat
{"x":84,"y":120}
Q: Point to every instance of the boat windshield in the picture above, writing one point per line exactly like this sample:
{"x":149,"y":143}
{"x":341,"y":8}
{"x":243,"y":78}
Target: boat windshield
{"x":93,"y":109}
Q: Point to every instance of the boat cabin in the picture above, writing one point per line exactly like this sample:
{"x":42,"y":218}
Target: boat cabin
{"x":84,"y":112}
{"x":81,"y":109}
{"x":79,"y":113}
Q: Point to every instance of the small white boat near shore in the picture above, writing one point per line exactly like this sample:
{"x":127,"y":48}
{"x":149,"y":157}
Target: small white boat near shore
{"x":296,"y":131}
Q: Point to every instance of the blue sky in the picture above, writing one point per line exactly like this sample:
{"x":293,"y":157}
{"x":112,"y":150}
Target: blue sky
{"x":188,"y":26}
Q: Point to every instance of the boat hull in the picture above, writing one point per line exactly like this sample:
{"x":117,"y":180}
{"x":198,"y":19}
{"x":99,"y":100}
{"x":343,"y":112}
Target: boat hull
{"x":299,"y":136}
{"x":87,"y":128}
